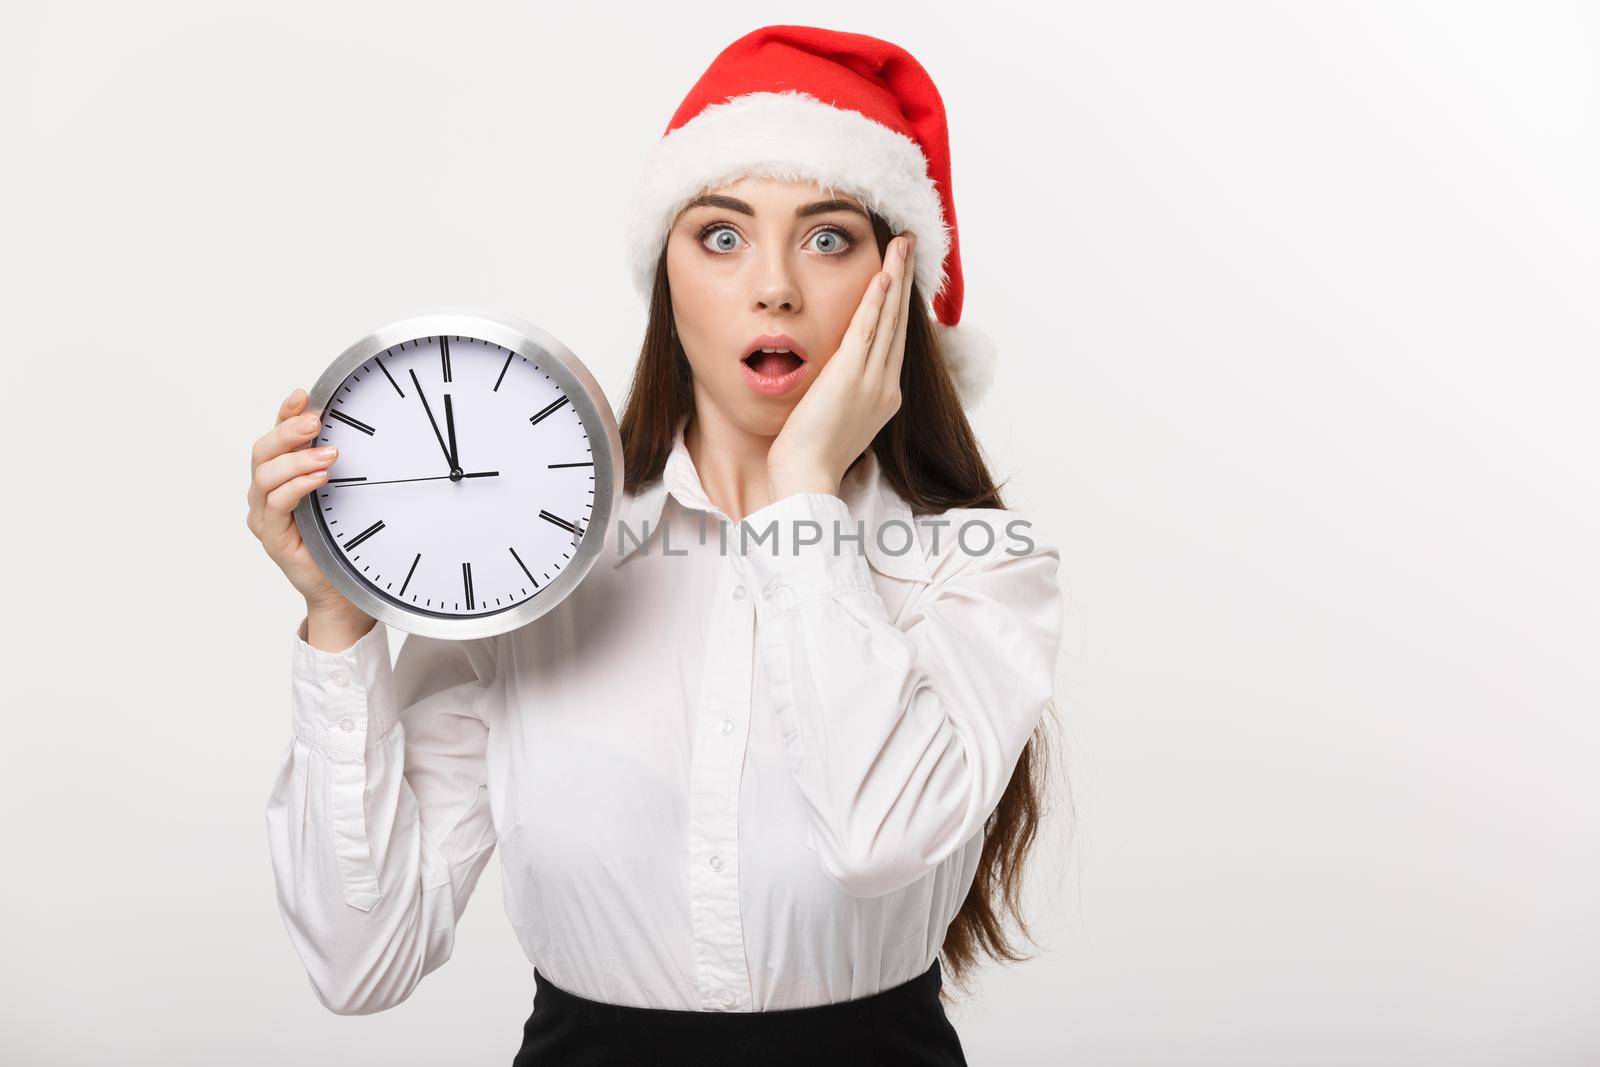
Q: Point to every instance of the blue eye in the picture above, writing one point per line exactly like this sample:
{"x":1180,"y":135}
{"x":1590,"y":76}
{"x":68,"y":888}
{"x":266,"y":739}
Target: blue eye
{"x":719,"y":228}
{"x":836,"y":234}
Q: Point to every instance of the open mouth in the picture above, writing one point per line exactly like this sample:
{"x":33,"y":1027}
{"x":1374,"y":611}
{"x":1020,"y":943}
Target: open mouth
{"x":772,"y":364}
{"x":774,"y":369}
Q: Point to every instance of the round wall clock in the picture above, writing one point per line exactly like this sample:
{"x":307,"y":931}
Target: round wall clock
{"x":479,"y":466}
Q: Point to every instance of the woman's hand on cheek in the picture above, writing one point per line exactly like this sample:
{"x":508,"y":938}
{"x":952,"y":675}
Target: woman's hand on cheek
{"x":855,"y":394}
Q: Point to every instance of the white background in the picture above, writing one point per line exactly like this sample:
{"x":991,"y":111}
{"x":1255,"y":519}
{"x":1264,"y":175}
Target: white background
{"x":1297,"y":311}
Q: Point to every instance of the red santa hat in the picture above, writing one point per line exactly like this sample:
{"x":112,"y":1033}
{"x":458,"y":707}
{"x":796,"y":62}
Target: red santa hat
{"x":844,"y":110}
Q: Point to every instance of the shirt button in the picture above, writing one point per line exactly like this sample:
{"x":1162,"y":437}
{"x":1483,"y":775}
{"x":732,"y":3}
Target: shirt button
{"x":347,"y":725}
{"x":716,"y":862}
{"x":738,"y":592}
{"x":341,"y":678}
{"x":727,"y":726}
{"x":772,"y":587}
{"x":727,"y":998}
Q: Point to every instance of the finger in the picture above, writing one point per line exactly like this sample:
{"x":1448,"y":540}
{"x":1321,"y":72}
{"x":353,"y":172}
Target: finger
{"x":274,"y":472}
{"x":281,"y":504}
{"x":284,"y":488}
{"x":292,"y":404}
{"x":858,"y":335}
{"x":287,"y":434}
{"x":889,"y":314}
{"x":260,"y":450}
{"x":286,"y":437}
{"x":897,"y":347}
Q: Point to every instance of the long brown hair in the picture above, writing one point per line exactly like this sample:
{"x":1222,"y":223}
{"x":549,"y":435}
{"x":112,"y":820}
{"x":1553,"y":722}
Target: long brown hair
{"x":929,"y":454}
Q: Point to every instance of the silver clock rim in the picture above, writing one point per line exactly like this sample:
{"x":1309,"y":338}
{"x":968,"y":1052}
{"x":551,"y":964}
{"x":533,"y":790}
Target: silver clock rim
{"x":588,"y":400}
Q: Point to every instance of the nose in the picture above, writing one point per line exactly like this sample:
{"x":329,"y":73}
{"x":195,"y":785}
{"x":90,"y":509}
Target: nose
{"x":775,"y":285}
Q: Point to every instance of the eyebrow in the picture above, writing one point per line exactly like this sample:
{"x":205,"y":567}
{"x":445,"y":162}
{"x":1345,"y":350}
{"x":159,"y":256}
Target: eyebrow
{"x":821,"y":207}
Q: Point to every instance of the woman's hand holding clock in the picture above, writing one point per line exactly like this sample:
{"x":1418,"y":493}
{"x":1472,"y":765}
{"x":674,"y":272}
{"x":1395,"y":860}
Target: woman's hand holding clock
{"x":281,"y":472}
{"x":855,"y":394}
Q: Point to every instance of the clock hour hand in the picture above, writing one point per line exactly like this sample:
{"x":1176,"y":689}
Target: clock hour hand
{"x":437,"y":436}
{"x":450,"y":429}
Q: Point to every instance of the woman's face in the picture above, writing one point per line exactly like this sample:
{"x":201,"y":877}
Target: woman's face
{"x":761,"y":256}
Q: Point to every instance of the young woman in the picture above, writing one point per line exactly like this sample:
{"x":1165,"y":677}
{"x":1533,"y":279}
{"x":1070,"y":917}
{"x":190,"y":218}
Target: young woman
{"x":746,"y":791}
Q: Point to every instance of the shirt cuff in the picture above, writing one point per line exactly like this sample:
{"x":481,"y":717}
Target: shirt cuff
{"x":803,"y":546}
{"x":334,"y":706}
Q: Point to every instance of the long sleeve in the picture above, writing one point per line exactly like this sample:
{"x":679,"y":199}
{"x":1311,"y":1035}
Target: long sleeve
{"x":378,"y":822}
{"x":901,"y":737}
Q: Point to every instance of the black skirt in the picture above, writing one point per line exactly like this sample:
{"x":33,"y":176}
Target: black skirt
{"x":904,"y":1024}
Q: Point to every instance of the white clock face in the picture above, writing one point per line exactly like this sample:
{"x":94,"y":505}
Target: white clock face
{"x":464,"y":481}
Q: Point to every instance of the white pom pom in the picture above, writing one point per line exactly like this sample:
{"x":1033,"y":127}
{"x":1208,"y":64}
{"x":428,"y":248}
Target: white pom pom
{"x":970,"y":355}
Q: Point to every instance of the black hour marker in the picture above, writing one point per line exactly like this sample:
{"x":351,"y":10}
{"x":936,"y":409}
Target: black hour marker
{"x":348,"y":421}
{"x":444,"y":356}
{"x":563,"y":523}
{"x":466,"y":581}
{"x":524,"y":567}
{"x":585,"y":463}
{"x":386,"y":374}
{"x":503,"y":367}
{"x":547,"y":409}
{"x":363,"y":535}
{"x":409,"y":573}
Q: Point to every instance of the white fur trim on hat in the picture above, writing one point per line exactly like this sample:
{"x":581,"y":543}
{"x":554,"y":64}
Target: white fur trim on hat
{"x":970,"y":354}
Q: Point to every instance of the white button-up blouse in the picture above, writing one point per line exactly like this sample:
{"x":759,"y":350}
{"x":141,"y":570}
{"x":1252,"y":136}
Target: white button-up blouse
{"x":720,"y":780}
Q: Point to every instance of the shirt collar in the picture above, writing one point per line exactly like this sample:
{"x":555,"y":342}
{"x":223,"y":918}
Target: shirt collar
{"x":869,"y":497}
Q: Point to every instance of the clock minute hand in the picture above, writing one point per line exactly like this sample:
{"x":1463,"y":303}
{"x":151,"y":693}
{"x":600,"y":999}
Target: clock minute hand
{"x":437,"y":436}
